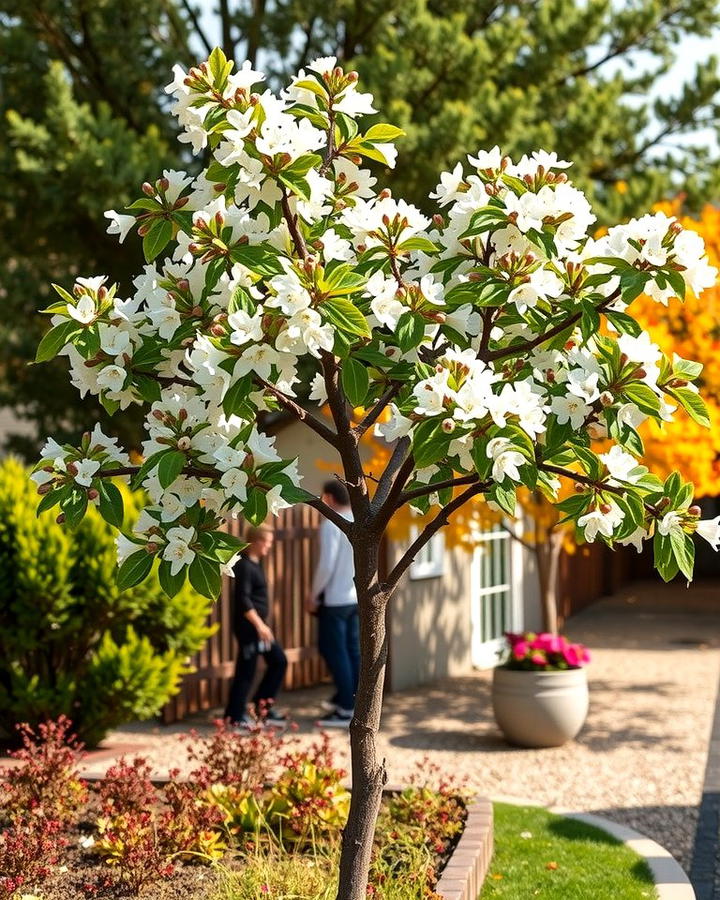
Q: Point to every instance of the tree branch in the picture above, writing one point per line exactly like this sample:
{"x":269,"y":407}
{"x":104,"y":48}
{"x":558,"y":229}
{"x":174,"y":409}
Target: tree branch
{"x":327,"y":434}
{"x":426,"y":489}
{"x":340,"y":521}
{"x":431,"y":529}
{"x":527,"y":346}
{"x":386,"y":482}
{"x":375,"y":413}
{"x":292,"y":225}
{"x":196,"y":25}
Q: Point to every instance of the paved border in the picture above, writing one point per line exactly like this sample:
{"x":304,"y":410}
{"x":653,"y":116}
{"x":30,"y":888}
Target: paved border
{"x":465,"y":872}
{"x":669,"y":876}
{"x":705,"y":867}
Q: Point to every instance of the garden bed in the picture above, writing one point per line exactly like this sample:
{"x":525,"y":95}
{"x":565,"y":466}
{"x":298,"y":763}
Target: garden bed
{"x":257,"y":817}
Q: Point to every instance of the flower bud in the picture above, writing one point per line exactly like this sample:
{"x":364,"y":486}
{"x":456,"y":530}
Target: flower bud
{"x":159,"y":415}
{"x":182,"y":414}
{"x":72,"y":469}
{"x":163,"y":184}
{"x":606,"y":399}
{"x":695,"y":511}
{"x":219,"y":188}
{"x":60,"y":519}
{"x":550,"y":376}
{"x":184,"y":443}
{"x":438,"y":220}
{"x":663,"y":502}
{"x":180,"y":202}
{"x":352,"y":76}
{"x":579,"y":488}
{"x":219,"y":219}
{"x":675,"y":228}
{"x":605,"y":508}
{"x":384,"y":194}
{"x":148,"y":189}
{"x":448,"y":425}
{"x":93,"y":494}
{"x":151,"y":547}
{"x":45,"y":488}
{"x":217,"y":330}
{"x":196,"y":311}
{"x":640,"y":373}
{"x":143,"y":229}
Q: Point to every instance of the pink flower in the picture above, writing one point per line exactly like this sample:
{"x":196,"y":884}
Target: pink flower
{"x":520,"y":649}
{"x":538,"y":658}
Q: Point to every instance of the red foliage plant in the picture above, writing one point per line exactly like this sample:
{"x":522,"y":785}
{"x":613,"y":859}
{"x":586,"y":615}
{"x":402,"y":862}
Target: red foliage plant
{"x":28,"y":850}
{"x":244,"y":759}
{"x":46,"y":782}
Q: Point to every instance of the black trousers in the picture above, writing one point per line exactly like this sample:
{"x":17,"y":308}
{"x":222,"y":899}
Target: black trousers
{"x":245,"y":667}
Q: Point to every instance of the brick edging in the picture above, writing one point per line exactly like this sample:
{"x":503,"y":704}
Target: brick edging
{"x":465,"y":872}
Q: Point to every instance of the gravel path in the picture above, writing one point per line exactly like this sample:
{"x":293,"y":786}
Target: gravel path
{"x":640,"y":758}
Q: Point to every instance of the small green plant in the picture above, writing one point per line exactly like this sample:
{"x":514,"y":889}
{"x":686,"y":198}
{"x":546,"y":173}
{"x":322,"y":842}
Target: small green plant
{"x":71,"y":643}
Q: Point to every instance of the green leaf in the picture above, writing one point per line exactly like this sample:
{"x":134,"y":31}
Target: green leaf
{"x":676,"y":282}
{"x":683,"y":551}
{"x":260,"y":258}
{"x":345,"y":316}
{"x":67,"y":297}
{"x":53,"y":342}
{"x":240,"y":299}
{"x":504,"y":496}
{"x":255,"y":508}
{"x":417,"y":243}
{"x":52,"y":498}
{"x":624,"y":323}
{"x":171,"y":584}
{"x":632,"y":284}
{"x":298,"y":184}
{"x":355,"y":381}
{"x":410,"y":330}
{"x":693,"y":404}
{"x":237,"y":394}
{"x":134,"y":569}
{"x":383,"y":134}
{"x":74,"y":506}
{"x":430,"y":443}
{"x":205,"y":577}
{"x":157,"y":238}
{"x":644,"y":397}
{"x":170,"y":466}
{"x":110,"y":503}
{"x":294,"y":494}
{"x":150,"y":463}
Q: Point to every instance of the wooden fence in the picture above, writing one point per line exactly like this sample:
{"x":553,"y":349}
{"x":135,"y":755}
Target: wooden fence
{"x":289,"y":569}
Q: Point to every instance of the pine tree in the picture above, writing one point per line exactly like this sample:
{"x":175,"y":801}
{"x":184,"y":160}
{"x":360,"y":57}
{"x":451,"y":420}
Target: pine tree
{"x":82,"y":122}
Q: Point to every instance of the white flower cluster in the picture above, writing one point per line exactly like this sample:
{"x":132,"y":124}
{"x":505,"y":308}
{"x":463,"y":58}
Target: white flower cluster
{"x":283,"y":261}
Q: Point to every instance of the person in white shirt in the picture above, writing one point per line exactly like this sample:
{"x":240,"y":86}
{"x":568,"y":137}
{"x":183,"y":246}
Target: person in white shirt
{"x":334,"y":601}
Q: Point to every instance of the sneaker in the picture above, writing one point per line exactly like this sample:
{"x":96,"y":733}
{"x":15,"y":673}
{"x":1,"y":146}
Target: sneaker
{"x":246,"y":723}
{"x":338,"y":719}
{"x":328,"y":706}
{"x":273,"y":717}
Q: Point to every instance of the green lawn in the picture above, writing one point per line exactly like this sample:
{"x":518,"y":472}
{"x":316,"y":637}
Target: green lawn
{"x":538,"y":854}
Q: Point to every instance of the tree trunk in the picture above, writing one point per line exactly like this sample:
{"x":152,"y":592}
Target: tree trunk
{"x":547,"y":555}
{"x":368,"y":773}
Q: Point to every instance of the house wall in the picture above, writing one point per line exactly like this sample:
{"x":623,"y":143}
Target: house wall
{"x":431,"y":635}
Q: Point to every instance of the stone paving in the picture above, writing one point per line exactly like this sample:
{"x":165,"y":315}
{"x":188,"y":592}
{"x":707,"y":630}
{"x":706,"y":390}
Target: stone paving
{"x":640,"y":759}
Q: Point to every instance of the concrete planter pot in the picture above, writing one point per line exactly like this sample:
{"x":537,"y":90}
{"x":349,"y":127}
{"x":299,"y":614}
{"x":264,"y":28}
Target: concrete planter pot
{"x":540,"y":709}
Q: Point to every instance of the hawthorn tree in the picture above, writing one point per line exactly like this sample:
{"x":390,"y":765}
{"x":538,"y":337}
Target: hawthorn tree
{"x":82,"y":119}
{"x":475,"y":334}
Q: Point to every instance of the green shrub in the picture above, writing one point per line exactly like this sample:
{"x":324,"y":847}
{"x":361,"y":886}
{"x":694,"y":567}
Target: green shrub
{"x":70,"y":642}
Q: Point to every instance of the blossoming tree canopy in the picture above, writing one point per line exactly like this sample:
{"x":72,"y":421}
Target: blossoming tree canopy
{"x":478,"y":329}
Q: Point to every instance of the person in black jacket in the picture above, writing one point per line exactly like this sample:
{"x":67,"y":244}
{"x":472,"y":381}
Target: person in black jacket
{"x":251,"y":614}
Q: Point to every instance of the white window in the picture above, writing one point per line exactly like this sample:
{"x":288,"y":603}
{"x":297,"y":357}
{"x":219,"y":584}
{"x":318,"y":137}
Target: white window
{"x":495,"y":595}
{"x":430,"y":561}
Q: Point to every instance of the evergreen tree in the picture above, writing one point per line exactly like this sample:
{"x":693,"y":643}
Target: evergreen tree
{"x":457,"y":75}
